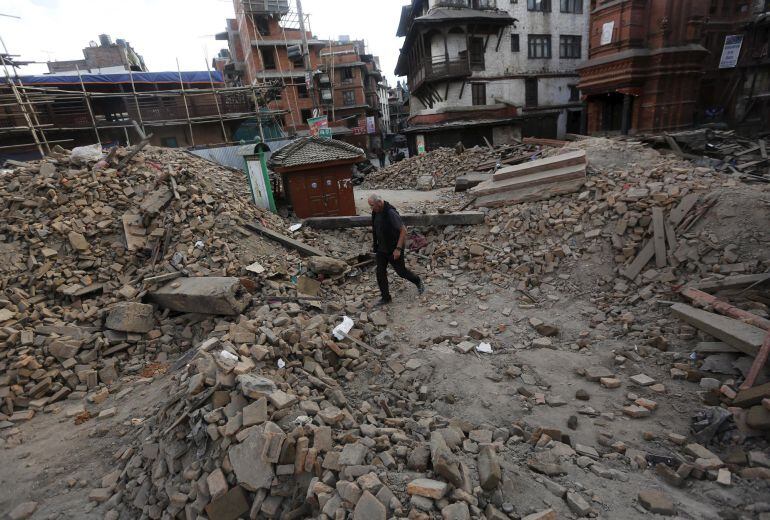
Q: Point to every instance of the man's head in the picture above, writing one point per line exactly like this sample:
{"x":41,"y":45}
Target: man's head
{"x":376,"y":203}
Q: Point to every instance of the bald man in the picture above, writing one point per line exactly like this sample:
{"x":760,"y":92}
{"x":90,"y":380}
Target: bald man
{"x":389,"y":240}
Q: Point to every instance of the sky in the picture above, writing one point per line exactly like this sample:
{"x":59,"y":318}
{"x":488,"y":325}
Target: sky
{"x":163,"y":31}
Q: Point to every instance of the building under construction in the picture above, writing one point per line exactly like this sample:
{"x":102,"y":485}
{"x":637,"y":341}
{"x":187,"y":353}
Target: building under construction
{"x":271,"y":40}
{"x":170,"y":108}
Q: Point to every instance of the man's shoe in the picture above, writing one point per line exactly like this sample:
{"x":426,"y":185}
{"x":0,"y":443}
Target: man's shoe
{"x":421,"y":287}
{"x":383,"y":301}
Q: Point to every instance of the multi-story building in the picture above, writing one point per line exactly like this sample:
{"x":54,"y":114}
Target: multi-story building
{"x":337,"y":79}
{"x":398,"y":104}
{"x":493,"y":69}
{"x":655,"y":65}
{"x":102,"y":58}
{"x":751,"y":110}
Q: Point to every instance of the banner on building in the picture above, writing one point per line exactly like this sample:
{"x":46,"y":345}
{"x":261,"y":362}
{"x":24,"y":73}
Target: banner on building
{"x":607,"y":30}
{"x":420,"y":142}
{"x":731,"y":51}
{"x":317,"y":123}
{"x":371,"y":127}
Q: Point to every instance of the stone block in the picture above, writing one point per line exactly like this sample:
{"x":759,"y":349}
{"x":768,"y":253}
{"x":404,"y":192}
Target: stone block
{"x":131,"y":317}
{"x":203,"y":295}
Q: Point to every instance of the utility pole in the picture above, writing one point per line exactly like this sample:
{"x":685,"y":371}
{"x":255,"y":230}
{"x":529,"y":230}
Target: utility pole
{"x":306,"y":56}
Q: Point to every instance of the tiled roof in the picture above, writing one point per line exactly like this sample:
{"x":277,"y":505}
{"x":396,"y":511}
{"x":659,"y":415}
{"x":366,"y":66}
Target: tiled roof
{"x":314,"y":150}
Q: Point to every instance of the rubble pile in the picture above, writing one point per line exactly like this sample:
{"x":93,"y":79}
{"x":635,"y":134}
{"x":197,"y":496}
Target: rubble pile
{"x":82,"y":244}
{"x":439,"y":168}
{"x":259,"y":426}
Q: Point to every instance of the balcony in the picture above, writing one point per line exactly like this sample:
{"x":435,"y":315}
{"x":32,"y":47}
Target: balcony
{"x":265,"y":6}
{"x":437,"y":69}
{"x":482,"y":5}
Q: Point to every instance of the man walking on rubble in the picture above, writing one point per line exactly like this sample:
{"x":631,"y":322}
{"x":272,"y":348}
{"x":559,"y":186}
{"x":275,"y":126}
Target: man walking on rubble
{"x":389,"y":239}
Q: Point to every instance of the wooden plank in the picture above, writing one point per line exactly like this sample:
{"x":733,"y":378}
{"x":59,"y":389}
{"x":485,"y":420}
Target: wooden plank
{"x":762,"y":148}
{"x":296,"y":245}
{"x":744,"y":337}
{"x":747,"y":165}
{"x":752,"y":396}
{"x":715,"y":347}
{"x":544,"y":142}
{"x":548,"y":164}
{"x":467,"y":218}
{"x":562,"y":174}
{"x":134,"y":232}
{"x":529,"y":194}
{"x":673,"y":245}
{"x":659,"y":237}
{"x":758,"y":364}
{"x":648,"y":251}
{"x":706,"y":300}
{"x":732,"y":282}
{"x":747,"y":150}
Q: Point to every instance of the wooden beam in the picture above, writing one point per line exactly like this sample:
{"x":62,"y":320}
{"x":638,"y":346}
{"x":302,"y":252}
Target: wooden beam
{"x":534,"y":179}
{"x":659,"y":237}
{"x":706,"y":300}
{"x":762,"y":148}
{"x":758,"y":364}
{"x":648,"y":251}
{"x":302,"y":248}
{"x":715,"y":347}
{"x":469,"y":218}
{"x":732,"y":282}
{"x":746,"y":338}
{"x":541,"y":165}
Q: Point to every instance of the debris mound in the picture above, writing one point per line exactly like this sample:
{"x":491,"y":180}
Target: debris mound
{"x":82,"y":244}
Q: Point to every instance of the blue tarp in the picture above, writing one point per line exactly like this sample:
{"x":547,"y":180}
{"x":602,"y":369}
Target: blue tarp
{"x":139,"y":77}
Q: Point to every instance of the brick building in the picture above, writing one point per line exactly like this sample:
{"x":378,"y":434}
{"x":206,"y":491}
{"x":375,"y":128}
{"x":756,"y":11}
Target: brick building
{"x":494,"y":69}
{"x":654,"y":64}
{"x":751,"y":103}
{"x":266,"y":45}
{"x":104,"y":57}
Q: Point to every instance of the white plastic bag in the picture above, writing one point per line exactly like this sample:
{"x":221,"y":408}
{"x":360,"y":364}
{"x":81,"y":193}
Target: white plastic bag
{"x":343,"y":328}
{"x":484,"y":348}
{"x":85,"y":154}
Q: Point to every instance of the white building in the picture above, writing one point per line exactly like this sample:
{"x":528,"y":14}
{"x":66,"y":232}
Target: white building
{"x":382,"y":95}
{"x":493,"y":68}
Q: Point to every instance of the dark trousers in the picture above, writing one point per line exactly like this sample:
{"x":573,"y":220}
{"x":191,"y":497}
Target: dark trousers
{"x":399,"y":266}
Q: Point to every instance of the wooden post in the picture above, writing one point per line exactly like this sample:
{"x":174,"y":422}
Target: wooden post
{"x":136,"y":100}
{"x":186,"y":108}
{"x":216,"y":100}
{"x":22,"y":106}
{"x":88,"y":105}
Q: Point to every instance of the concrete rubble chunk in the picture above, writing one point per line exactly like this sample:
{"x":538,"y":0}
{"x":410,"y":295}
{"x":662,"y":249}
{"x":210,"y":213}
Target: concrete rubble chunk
{"x":427,"y":488}
{"x":203,"y":295}
{"x":369,"y":508}
{"x":131,"y":317}
{"x":456,"y":511}
{"x":230,"y":506}
{"x":23,"y":511}
{"x":489,"y":468}
{"x":255,"y":386}
{"x":657,"y":502}
{"x":252,"y":471}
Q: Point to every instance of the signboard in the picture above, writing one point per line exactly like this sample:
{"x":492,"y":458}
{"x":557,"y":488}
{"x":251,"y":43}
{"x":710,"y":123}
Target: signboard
{"x":325,"y":133}
{"x":371,"y":128}
{"x":317,"y":123}
{"x":259,"y":182}
{"x":607,"y":30}
{"x":420,"y":141}
{"x":731,"y":51}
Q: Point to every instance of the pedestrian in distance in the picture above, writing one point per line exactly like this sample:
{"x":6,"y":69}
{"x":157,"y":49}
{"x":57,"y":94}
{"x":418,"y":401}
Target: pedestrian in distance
{"x":389,"y":234}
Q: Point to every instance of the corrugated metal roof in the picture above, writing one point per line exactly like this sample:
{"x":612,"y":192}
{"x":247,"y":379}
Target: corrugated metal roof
{"x":314,"y":150}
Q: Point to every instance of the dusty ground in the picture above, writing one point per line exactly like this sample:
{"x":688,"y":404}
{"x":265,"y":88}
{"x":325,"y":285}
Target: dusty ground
{"x":58,"y":463}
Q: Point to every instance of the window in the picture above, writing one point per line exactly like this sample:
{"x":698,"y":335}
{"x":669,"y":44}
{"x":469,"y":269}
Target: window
{"x":574,"y":93}
{"x":351,"y":122}
{"x":539,"y":45}
{"x":530,"y":92}
{"x":306,"y":114}
{"x":262,"y":23}
{"x":347,"y":74}
{"x":349,"y":98}
{"x":477,"y":53}
{"x":302,"y":91}
{"x":169,"y":142}
{"x":569,"y":47}
{"x":572,"y":6}
{"x":514,"y":43}
{"x":539,"y":5}
{"x":479,"y":93}
{"x":268,"y":58}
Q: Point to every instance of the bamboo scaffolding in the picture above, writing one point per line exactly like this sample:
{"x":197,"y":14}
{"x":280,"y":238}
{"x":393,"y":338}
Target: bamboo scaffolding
{"x":186,"y":108}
